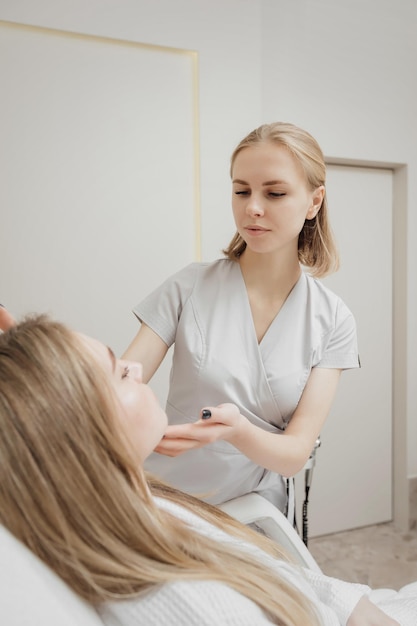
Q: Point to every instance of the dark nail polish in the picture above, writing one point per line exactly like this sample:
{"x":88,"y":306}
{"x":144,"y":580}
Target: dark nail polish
{"x":205,"y":414}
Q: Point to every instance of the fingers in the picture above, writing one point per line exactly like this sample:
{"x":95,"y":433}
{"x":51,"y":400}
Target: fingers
{"x":227,"y":414}
{"x":201,"y":432}
{"x":183,"y":437}
{"x":215,"y":423}
{"x":6,"y":319}
{"x":181,"y":431}
{"x":175,"y":447}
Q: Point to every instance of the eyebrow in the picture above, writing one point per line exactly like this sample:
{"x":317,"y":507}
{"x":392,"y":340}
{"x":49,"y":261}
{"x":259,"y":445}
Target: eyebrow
{"x":112,"y":358}
{"x":268,"y":182}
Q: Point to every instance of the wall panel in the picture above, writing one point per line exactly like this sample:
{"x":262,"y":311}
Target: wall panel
{"x":98,"y":166}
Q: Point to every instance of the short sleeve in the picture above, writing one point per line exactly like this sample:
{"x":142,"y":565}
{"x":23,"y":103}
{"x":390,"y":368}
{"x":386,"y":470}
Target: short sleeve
{"x":161,"y":309}
{"x":341,"y":344}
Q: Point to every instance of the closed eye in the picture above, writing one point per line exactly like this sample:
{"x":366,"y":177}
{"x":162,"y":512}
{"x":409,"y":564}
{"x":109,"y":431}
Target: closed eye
{"x":125,"y":372}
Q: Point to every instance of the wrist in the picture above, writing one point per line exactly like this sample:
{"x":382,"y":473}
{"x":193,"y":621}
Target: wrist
{"x":240,"y":432}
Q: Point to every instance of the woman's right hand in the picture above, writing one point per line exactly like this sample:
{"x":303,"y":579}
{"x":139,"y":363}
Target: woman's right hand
{"x":223,"y":421}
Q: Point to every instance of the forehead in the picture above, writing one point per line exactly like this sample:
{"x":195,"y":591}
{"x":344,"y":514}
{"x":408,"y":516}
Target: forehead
{"x":267,"y":157}
{"x":99,"y":351}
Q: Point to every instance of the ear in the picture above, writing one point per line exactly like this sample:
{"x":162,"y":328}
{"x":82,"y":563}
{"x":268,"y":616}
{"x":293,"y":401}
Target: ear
{"x":317,"y":201}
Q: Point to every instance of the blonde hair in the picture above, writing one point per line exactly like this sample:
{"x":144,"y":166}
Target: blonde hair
{"x":316,"y":246}
{"x":71,"y":489}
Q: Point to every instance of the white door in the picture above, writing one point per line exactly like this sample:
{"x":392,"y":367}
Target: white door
{"x":352,"y":479}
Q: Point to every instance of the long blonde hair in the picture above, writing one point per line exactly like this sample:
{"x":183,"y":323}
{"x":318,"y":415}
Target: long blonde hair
{"x":72,"y":491}
{"x":316,"y":246}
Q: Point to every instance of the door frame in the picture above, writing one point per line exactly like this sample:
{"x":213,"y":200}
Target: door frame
{"x":400,"y":486}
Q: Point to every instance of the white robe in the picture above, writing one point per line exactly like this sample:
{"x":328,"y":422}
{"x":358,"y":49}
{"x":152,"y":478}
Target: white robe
{"x":205,"y":603}
{"x":204,"y":309}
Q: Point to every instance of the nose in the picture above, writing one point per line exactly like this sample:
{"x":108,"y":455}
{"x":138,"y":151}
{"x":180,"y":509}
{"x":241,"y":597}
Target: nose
{"x":254,"y":207}
{"x":136,"y":371}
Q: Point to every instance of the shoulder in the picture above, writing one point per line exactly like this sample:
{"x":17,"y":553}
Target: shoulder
{"x":324,"y":300}
{"x":319,"y":290}
{"x":193,"y":520}
{"x":172,"y":507}
{"x":202,"y":280}
{"x":210,"y":269}
{"x":202,"y":270}
{"x":333,"y":325}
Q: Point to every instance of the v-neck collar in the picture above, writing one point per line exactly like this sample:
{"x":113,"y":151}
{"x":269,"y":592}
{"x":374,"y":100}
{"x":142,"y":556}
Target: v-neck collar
{"x":280,"y":313}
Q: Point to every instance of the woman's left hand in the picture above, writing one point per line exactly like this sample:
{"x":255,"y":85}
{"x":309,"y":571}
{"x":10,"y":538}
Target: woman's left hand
{"x":223,"y":423}
{"x":368,"y":614}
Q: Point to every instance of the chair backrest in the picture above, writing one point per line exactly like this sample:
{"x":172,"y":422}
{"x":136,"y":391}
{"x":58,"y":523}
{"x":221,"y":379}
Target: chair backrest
{"x":32,"y":595}
{"x":253,"y":508}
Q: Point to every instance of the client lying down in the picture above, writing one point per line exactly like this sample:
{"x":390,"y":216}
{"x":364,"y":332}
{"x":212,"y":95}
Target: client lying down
{"x":76,"y":426}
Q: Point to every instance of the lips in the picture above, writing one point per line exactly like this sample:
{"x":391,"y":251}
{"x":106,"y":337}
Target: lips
{"x":255,"y":229}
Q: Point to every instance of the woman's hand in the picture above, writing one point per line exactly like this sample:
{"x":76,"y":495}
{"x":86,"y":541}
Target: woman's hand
{"x":223,"y":423}
{"x":366,"y":613}
{"x":6,"y":319}
{"x":283,"y":452}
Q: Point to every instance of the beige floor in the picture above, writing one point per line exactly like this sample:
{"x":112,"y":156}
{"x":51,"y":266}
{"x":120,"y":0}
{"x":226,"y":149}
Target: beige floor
{"x":378,"y":555}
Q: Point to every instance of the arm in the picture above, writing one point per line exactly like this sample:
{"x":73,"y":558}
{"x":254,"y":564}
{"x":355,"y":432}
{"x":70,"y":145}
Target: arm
{"x":286,"y":453}
{"x":161,"y":310}
{"x":148,"y":349}
{"x":366,"y":613}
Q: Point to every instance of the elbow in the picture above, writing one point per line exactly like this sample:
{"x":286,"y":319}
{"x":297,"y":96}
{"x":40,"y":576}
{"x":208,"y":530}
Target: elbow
{"x":296,"y":464}
{"x":292,"y":470}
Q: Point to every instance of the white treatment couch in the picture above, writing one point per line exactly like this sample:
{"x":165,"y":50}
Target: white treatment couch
{"x":32,"y":595}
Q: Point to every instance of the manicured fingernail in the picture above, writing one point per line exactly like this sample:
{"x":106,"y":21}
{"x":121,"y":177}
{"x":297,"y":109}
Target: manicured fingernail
{"x":205,"y":414}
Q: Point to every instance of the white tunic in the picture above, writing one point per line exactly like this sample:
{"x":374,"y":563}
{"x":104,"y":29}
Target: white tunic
{"x":205,"y":310}
{"x":204,"y":603}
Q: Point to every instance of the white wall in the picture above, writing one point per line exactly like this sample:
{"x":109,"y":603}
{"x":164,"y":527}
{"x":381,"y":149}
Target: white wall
{"x":226,"y":36}
{"x":344,"y":71}
{"x":226,"y":111}
{"x":92,"y":190}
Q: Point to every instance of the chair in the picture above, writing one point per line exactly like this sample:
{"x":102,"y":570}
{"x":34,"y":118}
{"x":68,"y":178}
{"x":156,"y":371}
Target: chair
{"x":31,"y":594}
{"x":308,"y":476}
{"x":253,"y":508}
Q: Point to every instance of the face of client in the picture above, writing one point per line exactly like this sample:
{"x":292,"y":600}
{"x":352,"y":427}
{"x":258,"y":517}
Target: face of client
{"x":141,"y":415}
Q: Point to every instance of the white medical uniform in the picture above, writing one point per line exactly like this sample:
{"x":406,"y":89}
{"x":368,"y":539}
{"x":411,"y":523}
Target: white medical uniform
{"x":205,"y":310}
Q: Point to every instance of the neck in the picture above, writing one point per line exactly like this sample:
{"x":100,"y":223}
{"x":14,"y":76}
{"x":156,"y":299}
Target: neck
{"x":268,"y":272}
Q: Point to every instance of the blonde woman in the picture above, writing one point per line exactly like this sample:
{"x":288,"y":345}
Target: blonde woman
{"x":76,"y":425}
{"x":256,"y":329}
